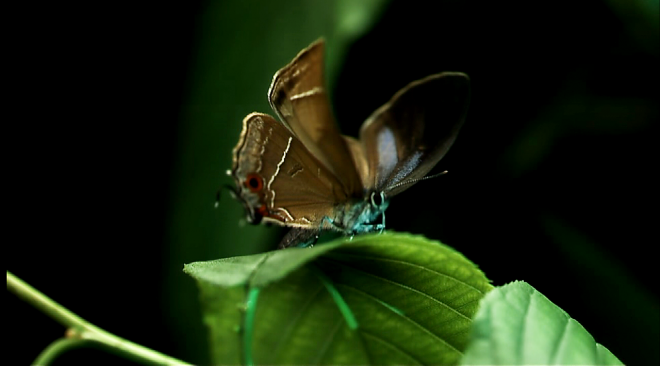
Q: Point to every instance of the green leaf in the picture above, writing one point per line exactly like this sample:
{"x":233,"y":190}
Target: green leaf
{"x":413,"y":300}
{"x":517,"y":325}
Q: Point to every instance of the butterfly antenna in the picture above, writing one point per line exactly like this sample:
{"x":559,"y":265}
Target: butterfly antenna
{"x":232,"y":191}
{"x":413,"y":181}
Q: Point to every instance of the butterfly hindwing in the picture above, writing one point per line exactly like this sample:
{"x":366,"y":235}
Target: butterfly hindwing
{"x":405,"y":138}
{"x":278,"y":179}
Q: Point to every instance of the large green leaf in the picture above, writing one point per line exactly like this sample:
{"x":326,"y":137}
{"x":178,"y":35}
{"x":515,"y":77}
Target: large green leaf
{"x":517,"y":325}
{"x":413,"y":300}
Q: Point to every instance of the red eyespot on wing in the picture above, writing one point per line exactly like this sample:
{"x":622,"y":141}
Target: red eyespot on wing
{"x":254,"y":182}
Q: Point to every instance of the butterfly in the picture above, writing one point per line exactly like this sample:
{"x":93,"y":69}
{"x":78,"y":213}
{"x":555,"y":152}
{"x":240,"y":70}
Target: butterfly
{"x":300,"y":172}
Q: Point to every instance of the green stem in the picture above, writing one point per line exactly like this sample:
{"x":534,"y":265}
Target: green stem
{"x":82,"y":329}
{"x":55,"y":349}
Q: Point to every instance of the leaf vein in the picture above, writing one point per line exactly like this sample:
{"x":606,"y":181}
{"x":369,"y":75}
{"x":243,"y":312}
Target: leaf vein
{"x":400,"y":285}
{"x":560,"y":340}
{"x":523,"y":329}
{"x":393,"y":347}
{"x":408,"y":264}
{"x":289,"y":329}
{"x":403,"y":316}
{"x":326,"y":345}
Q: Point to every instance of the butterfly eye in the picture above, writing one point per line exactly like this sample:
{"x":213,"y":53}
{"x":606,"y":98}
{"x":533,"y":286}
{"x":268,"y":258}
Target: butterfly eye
{"x":254,"y":182}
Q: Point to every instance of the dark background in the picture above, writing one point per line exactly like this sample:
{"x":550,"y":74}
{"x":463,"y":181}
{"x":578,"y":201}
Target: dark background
{"x":126,"y":118}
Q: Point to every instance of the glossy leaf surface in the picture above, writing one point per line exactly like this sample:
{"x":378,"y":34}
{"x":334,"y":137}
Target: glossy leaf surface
{"x":517,"y":325}
{"x":413,"y":300}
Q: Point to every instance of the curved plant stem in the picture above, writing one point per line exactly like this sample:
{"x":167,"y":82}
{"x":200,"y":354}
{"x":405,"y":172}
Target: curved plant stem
{"x":80,"y":329}
{"x":55,"y":349}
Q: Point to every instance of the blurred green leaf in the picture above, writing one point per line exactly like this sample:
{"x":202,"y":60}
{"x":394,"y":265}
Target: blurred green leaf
{"x":238,"y":48}
{"x":642,"y":20}
{"x":575,"y":112}
{"x":517,"y":325}
{"x":413,"y":300}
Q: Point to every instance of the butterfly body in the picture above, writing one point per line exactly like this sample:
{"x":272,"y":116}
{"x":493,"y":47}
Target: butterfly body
{"x":359,"y":217}
{"x":301,"y":173}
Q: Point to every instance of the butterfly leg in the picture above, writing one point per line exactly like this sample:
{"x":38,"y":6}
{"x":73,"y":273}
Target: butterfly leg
{"x":370,"y":228}
{"x":382,"y":225}
{"x":379,"y":227}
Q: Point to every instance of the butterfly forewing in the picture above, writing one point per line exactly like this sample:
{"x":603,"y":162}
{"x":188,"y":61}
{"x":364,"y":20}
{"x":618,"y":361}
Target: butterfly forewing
{"x":299,"y":96}
{"x":278,"y":179}
{"x":405,"y":138}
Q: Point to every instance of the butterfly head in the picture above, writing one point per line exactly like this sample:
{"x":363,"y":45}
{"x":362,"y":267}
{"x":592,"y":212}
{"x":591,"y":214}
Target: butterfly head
{"x":241,"y":194}
{"x":366,"y":216}
{"x":378,"y":202}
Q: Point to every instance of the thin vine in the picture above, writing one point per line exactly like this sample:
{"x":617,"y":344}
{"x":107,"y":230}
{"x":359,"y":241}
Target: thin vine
{"x":81,"y":333}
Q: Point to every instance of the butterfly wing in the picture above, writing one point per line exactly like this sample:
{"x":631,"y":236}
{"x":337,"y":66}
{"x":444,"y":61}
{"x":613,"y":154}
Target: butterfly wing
{"x":359,"y":158}
{"x":299,"y":97}
{"x":405,"y":138}
{"x":279,"y":180}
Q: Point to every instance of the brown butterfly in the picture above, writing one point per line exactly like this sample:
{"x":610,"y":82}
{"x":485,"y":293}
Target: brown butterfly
{"x":300,"y":172}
